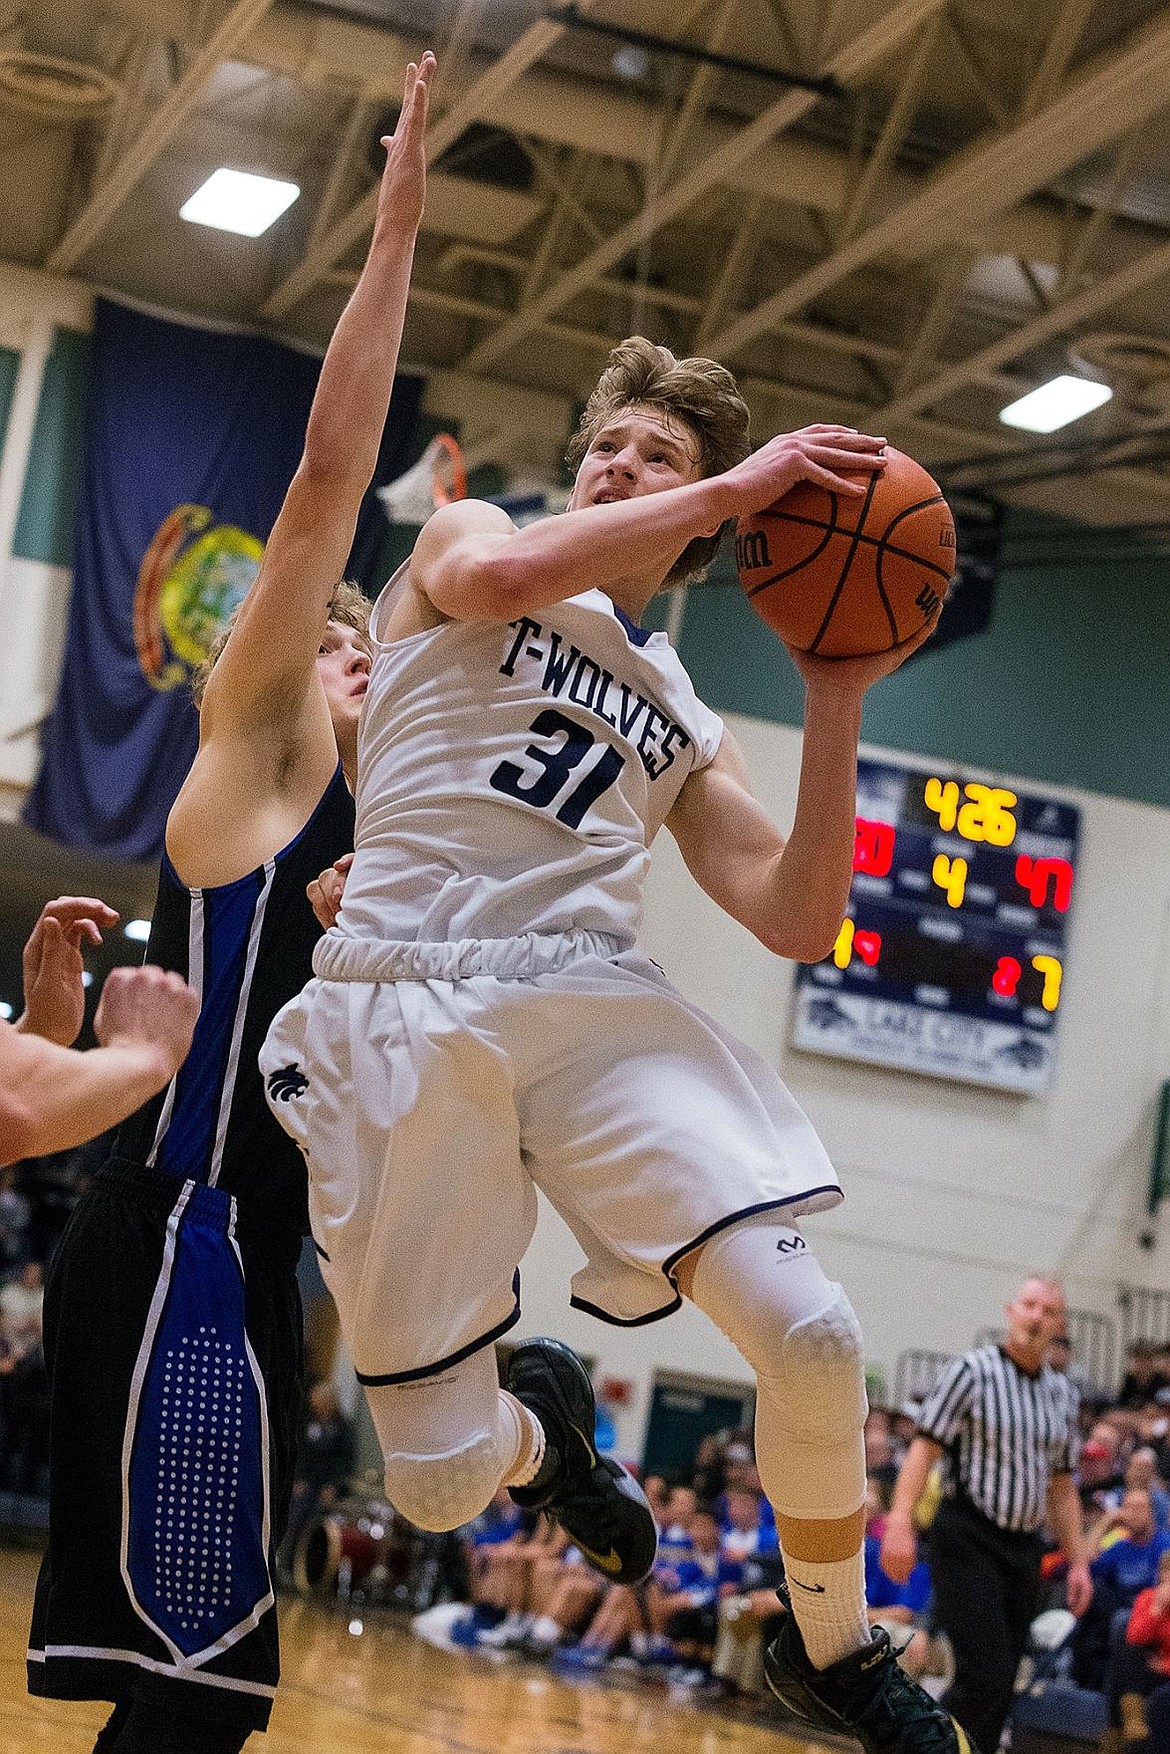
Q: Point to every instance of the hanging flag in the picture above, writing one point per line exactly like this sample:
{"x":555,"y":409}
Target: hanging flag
{"x":192,"y":437}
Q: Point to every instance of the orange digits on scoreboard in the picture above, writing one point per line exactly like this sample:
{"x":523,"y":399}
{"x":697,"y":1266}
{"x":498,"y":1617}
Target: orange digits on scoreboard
{"x":1034,"y":875}
{"x":951,"y":877}
{"x":1050,"y":968}
{"x":873,"y":847}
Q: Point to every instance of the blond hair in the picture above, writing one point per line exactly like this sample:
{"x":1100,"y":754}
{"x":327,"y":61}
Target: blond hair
{"x":699,"y":392}
{"x":348,"y":605}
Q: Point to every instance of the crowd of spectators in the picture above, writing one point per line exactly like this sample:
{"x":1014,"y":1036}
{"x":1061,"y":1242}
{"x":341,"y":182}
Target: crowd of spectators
{"x":699,"y":1624}
{"x":702,"y":1620}
{"x":36,"y":1198}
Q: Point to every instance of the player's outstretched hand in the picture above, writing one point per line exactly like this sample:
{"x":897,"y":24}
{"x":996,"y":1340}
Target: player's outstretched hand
{"x":148,"y":1008}
{"x":52,"y":966}
{"x":404,"y":175}
{"x":325,"y":892}
{"x":852,"y":676}
{"x":835,"y":457}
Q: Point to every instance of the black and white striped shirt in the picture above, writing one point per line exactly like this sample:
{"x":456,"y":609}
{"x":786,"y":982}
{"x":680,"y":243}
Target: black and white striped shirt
{"x":1006,"y":1434}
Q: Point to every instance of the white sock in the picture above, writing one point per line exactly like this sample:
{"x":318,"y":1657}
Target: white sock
{"x":828,"y":1599}
{"x":529,"y":1438}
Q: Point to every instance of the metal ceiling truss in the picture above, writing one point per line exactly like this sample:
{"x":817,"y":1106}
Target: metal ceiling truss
{"x":157,"y":133}
{"x":857,"y":57}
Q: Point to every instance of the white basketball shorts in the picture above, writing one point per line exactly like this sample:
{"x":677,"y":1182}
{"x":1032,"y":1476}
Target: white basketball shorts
{"x":432,"y":1105}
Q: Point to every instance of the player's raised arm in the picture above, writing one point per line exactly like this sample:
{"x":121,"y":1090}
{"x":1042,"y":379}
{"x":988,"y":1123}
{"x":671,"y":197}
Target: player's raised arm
{"x":790,"y":892}
{"x":269,"y":660}
{"x":637,"y":502}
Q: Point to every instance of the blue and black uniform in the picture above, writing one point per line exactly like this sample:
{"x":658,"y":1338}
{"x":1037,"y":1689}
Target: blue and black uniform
{"x":173,"y":1333}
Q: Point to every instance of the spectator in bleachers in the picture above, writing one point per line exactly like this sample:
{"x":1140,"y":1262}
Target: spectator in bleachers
{"x":880,"y":1460}
{"x":740,"y":1524}
{"x":24,"y":1425}
{"x":657,"y":1493}
{"x":563,"y":1592}
{"x":683,"y":1594}
{"x":709,"y":1474}
{"x":325,"y":1461}
{"x":21,"y":1303}
{"x":674,"y":1533}
{"x":1142,"y":1664}
{"x":1145,"y":1375}
{"x":1101,"y":1472}
{"x":891,"y":1604}
{"x":1131,"y":1550}
{"x":748,"y":1621}
{"x":15,"y":1213}
{"x":1141,"y":1474}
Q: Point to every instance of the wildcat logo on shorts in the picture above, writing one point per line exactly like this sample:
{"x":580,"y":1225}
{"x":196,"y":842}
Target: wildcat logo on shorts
{"x":286,"y":1083}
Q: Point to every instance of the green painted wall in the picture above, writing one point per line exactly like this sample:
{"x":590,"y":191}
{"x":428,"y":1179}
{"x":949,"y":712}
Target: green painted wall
{"x":9,"y":366}
{"x":1070,"y":684}
{"x":44,"y":526}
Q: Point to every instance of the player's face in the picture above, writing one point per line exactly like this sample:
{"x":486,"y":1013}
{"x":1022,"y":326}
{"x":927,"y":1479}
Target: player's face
{"x":640,"y":450}
{"x":343,"y":664}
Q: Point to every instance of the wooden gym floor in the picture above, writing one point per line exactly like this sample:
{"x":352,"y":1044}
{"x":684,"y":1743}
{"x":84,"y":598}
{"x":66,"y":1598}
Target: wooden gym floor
{"x":384,"y":1690}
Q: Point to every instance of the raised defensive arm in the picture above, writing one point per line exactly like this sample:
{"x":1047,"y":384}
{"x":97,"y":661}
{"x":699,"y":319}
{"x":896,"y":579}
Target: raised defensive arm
{"x":269,"y":662}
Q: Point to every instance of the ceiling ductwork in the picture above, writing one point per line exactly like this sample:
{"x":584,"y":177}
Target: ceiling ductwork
{"x":53,"y":88}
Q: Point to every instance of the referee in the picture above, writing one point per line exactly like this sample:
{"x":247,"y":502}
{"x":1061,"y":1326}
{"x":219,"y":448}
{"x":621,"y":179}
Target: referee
{"x":1006,"y":1423}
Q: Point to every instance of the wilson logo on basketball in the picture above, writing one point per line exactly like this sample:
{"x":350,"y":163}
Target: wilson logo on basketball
{"x":751,"y":550}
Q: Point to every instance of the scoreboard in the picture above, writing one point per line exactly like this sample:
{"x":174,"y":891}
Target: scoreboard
{"x":951,"y":958}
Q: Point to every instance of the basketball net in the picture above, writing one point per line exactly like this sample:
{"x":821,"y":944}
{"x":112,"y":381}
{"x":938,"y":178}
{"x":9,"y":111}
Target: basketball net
{"x":438,"y":478}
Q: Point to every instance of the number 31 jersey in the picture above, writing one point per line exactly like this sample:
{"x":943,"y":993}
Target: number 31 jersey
{"x":512,"y":776}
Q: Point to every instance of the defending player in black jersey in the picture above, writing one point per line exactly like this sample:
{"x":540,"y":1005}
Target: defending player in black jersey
{"x":173,"y":1323}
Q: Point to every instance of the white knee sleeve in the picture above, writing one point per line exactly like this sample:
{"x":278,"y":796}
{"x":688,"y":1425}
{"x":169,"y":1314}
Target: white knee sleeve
{"x":443,"y":1491}
{"x":447,"y":1441}
{"x":762,"y":1285}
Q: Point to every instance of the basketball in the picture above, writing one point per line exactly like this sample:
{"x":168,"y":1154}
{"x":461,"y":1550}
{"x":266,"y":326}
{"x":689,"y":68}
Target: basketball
{"x":846,"y":577}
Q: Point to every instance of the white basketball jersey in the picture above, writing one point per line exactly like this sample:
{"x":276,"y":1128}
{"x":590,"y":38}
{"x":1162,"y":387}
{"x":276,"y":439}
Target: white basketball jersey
{"x":511,"y":776}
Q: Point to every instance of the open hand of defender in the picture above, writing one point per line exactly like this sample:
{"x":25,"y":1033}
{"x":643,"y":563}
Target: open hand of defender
{"x":52,"y":966}
{"x":147,"y":1008}
{"x":400,"y":195}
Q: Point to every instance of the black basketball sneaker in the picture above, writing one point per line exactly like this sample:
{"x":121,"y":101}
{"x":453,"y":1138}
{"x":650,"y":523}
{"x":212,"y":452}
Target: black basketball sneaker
{"x":599,"y":1505}
{"x":864,"y":1695}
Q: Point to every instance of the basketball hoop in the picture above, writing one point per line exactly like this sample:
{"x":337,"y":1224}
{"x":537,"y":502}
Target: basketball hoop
{"x":438,"y":478}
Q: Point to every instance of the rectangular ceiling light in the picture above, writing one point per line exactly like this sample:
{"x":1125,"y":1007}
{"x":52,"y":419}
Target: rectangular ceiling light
{"x":1055,"y":404}
{"x":239,"y":201}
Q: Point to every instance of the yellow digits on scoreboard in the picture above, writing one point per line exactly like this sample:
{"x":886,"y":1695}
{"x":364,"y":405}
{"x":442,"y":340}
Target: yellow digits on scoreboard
{"x":944,"y":801}
{"x":951,"y":877}
{"x":986,"y":816}
{"x":1050,"y":968}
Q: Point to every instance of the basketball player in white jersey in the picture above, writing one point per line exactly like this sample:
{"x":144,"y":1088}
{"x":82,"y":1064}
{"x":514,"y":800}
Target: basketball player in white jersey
{"x":482,"y":1024}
